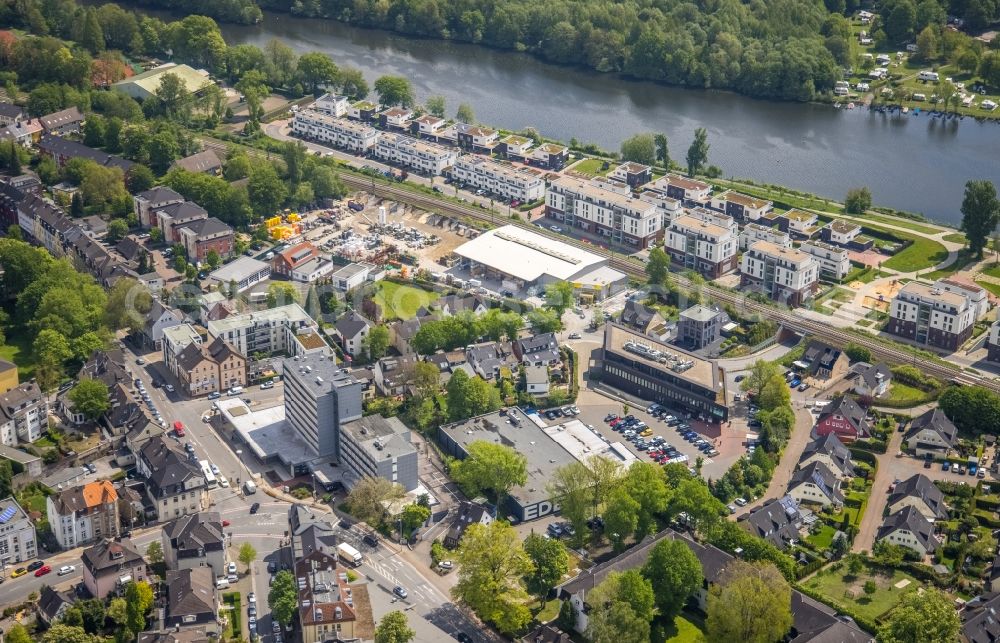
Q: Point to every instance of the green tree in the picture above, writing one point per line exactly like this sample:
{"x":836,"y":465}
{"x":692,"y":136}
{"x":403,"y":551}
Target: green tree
{"x":621,"y":517}
{"x":76,"y":207}
{"x":377,"y":342}
{"x":901,"y":21}
{"x":414,"y":515}
{"x":973,"y":409}
{"x":693,"y":497}
{"x":93,"y":613}
{"x":93,"y":131}
{"x":435,"y":106}
{"x":662,"y":151}
{"x":980,"y":214}
{"x":51,"y":349}
{"x":750,"y":603}
{"x":117,"y":229}
{"x":353,"y":83}
{"x":550,"y":563}
{"x":760,"y":372}
{"x":675,"y":574}
{"x":774,"y":393}
{"x":281,"y":293}
{"x":247,"y":554}
{"x":544,"y":321}
{"x":163,"y":150}
{"x":644,"y":481}
{"x":62,"y":633}
{"x":90,"y":397}
{"x":394,"y":90}
{"x":139,"y":178}
{"x":927,"y":44}
{"x":283,"y":597}
{"x":266,"y":190}
{"x":571,"y":487}
{"x":138,"y":600}
{"x":921,"y":618}
{"x":776,"y":426}
{"x":858,"y":200}
{"x":464,"y":114}
{"x":559,"y":296}
{"x":317,"y":69}
{"x":658,"y":267}
{"x":368,"y":497}
{"x":640,"y":148}
{"x":490,"y":467}
{"x":154,"y":553}
{"x":17,"y":634}
{"x":394,"y":628}
{"x":492,"y":562}
{"x":92,"y":36}
{"x":857,"y":353}
{"x":697,"y":154}
{"x":117,"y":611}
{"x":622,"y":608}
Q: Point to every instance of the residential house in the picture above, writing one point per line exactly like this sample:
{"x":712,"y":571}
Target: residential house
{"x":830,"y":451}
{"x":327,"y":607}
{"x":834,"y":262}
{"x":293,"y":257}
{"x":549,"y":156}
{"x":688,"y":191}
{"x":79,"y":515}
{"x":210,"y":368}
{"x":11,"y":113}
{"x":111,"y":564}
{"x":754,"y":232}
{"x":840,"y":232}
{"x":469,"y":513}
{"x":740,"y":206}
{"x":362,"y":110}
{"x":52,"y":604}
{"x":310,"y":531}
{"x":783,"y":274}
{"x":331,"y":105}
{"x":538,"y":350}
{"x":908,"y":528}
{"x":454,"y":304}
{"x":700,"y":326}
{"x":931,"y":315}
{"x":176,"y":339}
{"x":816,"y":484}
{"x":537,"y":379}
{"x":66,"y":121}
{"x":204,"y":236}
{"x":798,"y":223}
{"x":979,"y":619}
{"x":632,"y":174}
{"x":145,"y":204}
{"x":24,"y":412}
{"x":396,"y":118}
{"x":640,"y":317}
{"x":918,"y":492}
{"x":844,"y":417}
{"x":515,"y":148}
{"x":702,"y":245}
{"x":18,"y":543}
{"x":214,"y":305}
{"x":993,"y":343}
{"x":25,"y":132}
{"x":158,"y":319}
{"x":336,"y":132}
{"x":402,"y":333}
{"x":195,"y":540}
{"x":871,"y":381}
{"x":486,"y":359}
{"x":204,"y":162}
{"x":175,"y":485}
{"x":476,"y":137}
{"x":823,"y":361}
{"x":427,"y":125}
{"x":777,"y":521}
{"x":61,"y":150}
{"x":978,"y":298}
{"x":350,"y":331}
{"x":191,"y":599}
{"x":600,"y":209}
{"x":171,"y":218}
{"x":392,"y":374}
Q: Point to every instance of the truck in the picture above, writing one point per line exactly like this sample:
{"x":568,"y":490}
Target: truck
{"x":354,"y":205}
{"x":349,"y":554}
{"x":249,"y":488}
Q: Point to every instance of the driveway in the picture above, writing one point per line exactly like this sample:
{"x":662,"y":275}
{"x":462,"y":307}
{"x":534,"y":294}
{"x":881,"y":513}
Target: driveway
{"x":800,"y":438}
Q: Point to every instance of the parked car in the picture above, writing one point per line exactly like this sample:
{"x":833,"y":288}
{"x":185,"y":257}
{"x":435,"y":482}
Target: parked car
{"x":36,"y":565}
{"x":254,"y":508}
{"x":214,"y":395}
{"x":42,"y":571}
{"x":20,"y":571}
{"x":66,"y":569}
{"x":400,"y":591}
{"x":742,"y":502}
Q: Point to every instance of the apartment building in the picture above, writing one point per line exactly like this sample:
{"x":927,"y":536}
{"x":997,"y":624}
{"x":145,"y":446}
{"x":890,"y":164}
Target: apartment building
{"x":754,"y":232}
{"x":331,"y":105}
{"x":476,"y":137}
{"x":378,"y":447}
{"x":82,"y":514}
{"x":293,"y":257}
{"x":840,"y":232}
{"x":24,"y":414}
{"x":265,"y":331}
{"x":834,"y":262}
{"x":700,"y":245}
{"x":632,"y":174}
{"x":928,"y":314}
{"x":210,"y":368}
{"x":326,"y":607}
{"x":978,"y":297}
{"x":688,"y":191}
{"x":993,"y":343}
{"x":175,"y":485}
{"x":783,"y":274}
{"x":740,"y":206}
{"x":319,"y":398}
{"x":336,"y":132}
{"x":175,"y":340}
{"x":146,"y":203}
{"x":18,"y":543}
{"x":427,"y":125}
{"x":427,"y":158}
{"x":549,"y":156}
{"x":502,"y":179}
{"x":110,"y":565}
{"x":598,"y":209}
{"x":195,"y":540}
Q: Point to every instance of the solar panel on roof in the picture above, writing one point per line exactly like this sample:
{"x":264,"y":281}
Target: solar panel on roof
{"x":7,"y":514}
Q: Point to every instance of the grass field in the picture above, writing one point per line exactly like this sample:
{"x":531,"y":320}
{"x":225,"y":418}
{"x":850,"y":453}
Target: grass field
{"x":401,"y":302}
{"x":18,"y":350}
{"x":955,"y":237}
{"x":992,"y":287}
{"x":964,"y":259}
{"x":905,"y":394}
{"x":901,"y":223}
{"x":842,"y":589}
{"x":590,"y":167}
{"x":993,"y":270}
{"x":685,"y":631}
{"x":923,"y":253}
{"x":822,"y":539}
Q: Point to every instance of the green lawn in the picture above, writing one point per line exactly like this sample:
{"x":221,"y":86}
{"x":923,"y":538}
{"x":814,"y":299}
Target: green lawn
{"x":905,"y":394}
{"x":235,"y":615}
{"x":401,"y":302}
{"x":992,"y":287}
{"x":590,"y":167}
{"x":902,"y":223}
{"x":685,"y":631}
{"x":993,"y":270}
{"x":923,"y":253}
{"x":955,"y":237}
{"x":964,"y":259}
{"x":841,"y":589}
{"x":18,"y":350}
{"x":822,"y":539}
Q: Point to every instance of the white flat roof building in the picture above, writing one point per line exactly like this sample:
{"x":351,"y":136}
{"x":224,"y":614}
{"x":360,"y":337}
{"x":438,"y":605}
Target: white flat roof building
{"x":597,"y":208}
{"x":834,"y":261}
{"x":532,"y":258}
{"x":265,"y":331}
{"x":414,"y":154}
{"x":503,"y":179}
{"x":245,"y":271}
{"x":338,"y":132}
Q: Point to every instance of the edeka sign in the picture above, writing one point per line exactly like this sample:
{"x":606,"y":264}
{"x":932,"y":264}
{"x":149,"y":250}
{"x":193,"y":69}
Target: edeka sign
{"x":538,"y":510}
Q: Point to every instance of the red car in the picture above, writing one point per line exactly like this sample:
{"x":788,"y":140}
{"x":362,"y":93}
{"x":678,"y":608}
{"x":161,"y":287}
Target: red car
{"x":179,"y":429}
{"x":225,"y":523}
{"x":43,"y":570}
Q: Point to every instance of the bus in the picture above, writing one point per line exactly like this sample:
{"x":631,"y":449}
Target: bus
{"x":210,"y":478}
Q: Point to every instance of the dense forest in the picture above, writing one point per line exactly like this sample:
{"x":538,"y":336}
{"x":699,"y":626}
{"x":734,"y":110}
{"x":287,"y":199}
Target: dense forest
{"x":785,"y":49}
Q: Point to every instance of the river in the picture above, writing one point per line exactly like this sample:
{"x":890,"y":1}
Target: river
{"x":912,"y":163}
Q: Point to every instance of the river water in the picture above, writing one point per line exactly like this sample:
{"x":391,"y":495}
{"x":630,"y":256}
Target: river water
{"x":912,"y":163}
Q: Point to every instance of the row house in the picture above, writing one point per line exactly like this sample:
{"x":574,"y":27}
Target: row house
{"x":25,"y":133}
{"x":13,"y":190}
{"x":632,"y":174}
{"x":699,"y":245}
{"x":816,"y":484}
{"x":145,"y":204}
{"x":210,"y":368}
{"x":754,"y":232}
{"x":11,"y":113}
{"x":66,"y":121}
{"x":427,"y":158}
{"x":740,"y":206}
{"x":783,"y":274}
{"x":428,"y":126}
{"x":932,"y":316}
{"x":549,"y":156}
{"x":175,"y":340}
{"x":504,"y":180}
{"x":82,"y":514}
{"x":669,"y":207}
{"x":687,"y":191}
{"x":515,"y":148}
{"x":834,"y":262}
{"x":18,"y":540}
{"x":840,"y":232}
{"x":396,"y":118}
{"x":907,"y":528}
{"x":337,"y":132}
{"x":62,"y":150}
{"x":600,"y":210}
{"x":350,"y":331}
{"x":331,"y":105}
{"x":476,"y":137}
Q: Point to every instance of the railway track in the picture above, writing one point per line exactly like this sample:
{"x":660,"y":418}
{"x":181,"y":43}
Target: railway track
{"x":880,"y":349}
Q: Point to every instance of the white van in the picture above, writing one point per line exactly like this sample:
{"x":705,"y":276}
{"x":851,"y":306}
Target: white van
{"x":236,"y":390}
{"x":928,"y":75}
{"x":221,"y":582}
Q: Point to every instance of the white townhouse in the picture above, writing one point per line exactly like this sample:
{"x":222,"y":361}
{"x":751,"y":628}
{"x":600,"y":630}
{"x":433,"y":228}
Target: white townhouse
{"x":504,"y":180}
{"x":417,"y":155}
{"x":754,"y":232}
{"x":340,"y":133}
{"x":599,"y":209}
